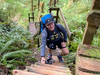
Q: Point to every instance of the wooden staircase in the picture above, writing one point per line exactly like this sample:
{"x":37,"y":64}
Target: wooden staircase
{"x":38,"y":68}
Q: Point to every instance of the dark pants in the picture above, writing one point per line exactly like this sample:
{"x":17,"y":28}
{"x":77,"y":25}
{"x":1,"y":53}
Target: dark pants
{"x":52,"y":45}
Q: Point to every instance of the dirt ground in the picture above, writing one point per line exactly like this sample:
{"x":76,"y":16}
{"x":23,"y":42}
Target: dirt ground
{"x":38,"y":54}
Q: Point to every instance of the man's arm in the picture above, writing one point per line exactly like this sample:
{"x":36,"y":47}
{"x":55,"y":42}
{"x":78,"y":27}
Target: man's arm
{"x":64,"y":31}
{"x":43,"y":44}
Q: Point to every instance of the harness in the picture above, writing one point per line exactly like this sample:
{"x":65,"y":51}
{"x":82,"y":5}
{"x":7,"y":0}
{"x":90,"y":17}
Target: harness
{"x":55,"y":35}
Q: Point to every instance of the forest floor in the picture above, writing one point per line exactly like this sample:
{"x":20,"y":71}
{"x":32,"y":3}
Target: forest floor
{"x":37,"y":56}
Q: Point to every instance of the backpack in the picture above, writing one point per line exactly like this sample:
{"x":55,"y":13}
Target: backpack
{"x":42,"y":22}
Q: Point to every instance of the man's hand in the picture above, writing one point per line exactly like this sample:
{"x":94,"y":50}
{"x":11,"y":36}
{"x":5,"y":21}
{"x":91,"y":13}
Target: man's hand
{"x":63,"y":44}
{"x":43,"y":60}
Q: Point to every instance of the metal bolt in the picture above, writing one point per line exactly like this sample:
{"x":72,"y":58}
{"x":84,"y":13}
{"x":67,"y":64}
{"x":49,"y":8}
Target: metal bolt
{"x":95,"y":18}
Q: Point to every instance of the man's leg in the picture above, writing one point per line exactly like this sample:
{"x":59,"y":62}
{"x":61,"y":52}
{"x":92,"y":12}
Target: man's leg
{"x":50,"y":53}
{"x":65,"y":51}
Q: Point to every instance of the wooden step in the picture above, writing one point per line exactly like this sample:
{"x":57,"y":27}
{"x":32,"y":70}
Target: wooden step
{"x":89,"y":64}
{"x":89,"y":51}
{"x":45,"y":71}
{"x":84,"y":73}
{"x":50,"y":68}
{"x":21,"y":72}
{"x":32,"y":28}
{"x":57,"y":68}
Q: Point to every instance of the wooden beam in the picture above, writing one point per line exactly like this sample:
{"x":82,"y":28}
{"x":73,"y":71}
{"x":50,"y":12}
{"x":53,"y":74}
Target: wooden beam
{"x":42,"y":7}
{"x":57,"y":1}
{"x":21,"y":72}
{"x":50,"y":3}
{"x":66,"y":26}
{"x":54,"y":3}
{"x":44,"y":71}
{"x":88,"y":34}
{"x":54,"y":8}
{"x":38,"y":4}
{"x":95,"y":5}
{"x":57,"y":11}
{"x":93,"y":21}
{"x":93,"y":18}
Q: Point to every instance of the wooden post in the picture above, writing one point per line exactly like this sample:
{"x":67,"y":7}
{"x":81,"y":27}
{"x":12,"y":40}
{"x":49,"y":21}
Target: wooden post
{"x":42,"y":11}
{"x":55,"y":9}
{"x":57,"y":15}
{"x":54,"y":3}
{"x":93,"y":21}
{"x":95,"y":5}
{"x":50,"y":3}
{"x":38,"y":4}
{"x":57,"y":1}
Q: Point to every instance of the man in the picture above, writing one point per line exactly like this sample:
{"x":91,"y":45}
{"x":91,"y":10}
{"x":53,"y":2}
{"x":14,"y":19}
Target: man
{"x":51,"y":37}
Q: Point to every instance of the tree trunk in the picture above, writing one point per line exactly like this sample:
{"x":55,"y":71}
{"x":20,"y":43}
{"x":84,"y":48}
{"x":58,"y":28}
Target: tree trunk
{"x":32,"y":5}
{"x":50,"y":3}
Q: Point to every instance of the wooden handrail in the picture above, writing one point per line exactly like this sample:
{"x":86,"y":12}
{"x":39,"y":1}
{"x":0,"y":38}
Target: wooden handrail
{"x":91,"y":28}
{"x":66,"y":25}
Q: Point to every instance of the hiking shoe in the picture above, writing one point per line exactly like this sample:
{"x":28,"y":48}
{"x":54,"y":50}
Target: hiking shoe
{"x":51,"y":60}
{"x":60,"y":58}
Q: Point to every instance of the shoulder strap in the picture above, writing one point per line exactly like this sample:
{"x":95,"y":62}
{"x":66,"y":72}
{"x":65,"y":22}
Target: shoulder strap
{"x":47,"y":33}
{"x":62,"y":36}
{"x":57,"y":27}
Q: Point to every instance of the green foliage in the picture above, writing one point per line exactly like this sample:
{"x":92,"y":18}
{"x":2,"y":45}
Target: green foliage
{"x":14,"y":37}
{"x":96,"y":40}
{"x":6,"y":46}
{"x":70,"y":58}
{"x":14,"y":53}
{"x":15,"y":42}
{"x":94,"y":52}
{"x":12,"y":8}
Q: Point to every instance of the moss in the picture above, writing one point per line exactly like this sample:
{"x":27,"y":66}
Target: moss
{"x":94,"y":52}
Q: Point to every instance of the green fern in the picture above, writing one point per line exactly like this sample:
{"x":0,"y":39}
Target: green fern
{"x":7,"y":45}
{"x":10,"y":66}
{"x":16,"y":56}
{"x":8,"y":54}
{"x":15,"y":52}
{"x":70,"y":58}
{"x":16,"y":62}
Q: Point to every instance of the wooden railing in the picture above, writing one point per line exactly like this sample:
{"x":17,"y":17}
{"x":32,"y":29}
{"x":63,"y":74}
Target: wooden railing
{"x":88,"y":57}
{"x":93,"y":21}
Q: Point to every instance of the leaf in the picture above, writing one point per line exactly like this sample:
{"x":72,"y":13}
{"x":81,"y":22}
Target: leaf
{"x":15,"y":52}
{"x":16,"y":62}
{"x":6,"y":45}
{"x":1,"y":64}
{"x":9,"y":65}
